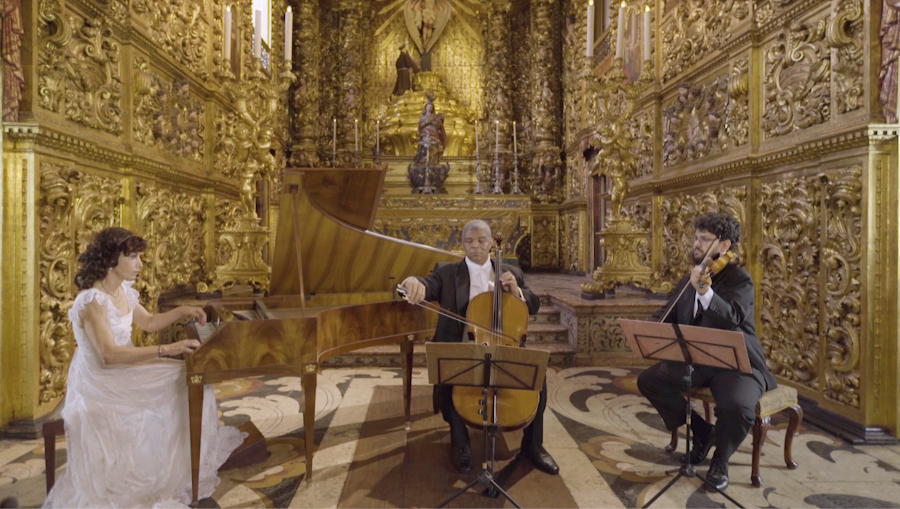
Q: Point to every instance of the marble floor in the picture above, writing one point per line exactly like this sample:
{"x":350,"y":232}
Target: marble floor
{"x":605,"y":436}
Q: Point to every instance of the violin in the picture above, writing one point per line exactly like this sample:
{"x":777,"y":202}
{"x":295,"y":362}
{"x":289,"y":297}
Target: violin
{"x":709,"y":267}
{"x":500,"y":318}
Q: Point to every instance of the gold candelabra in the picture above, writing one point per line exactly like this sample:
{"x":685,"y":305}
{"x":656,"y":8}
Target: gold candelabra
{"x":614,"y":159}
{"x":257,"y":99}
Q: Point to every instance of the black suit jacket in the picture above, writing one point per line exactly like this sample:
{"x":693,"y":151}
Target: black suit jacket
{"x":731,"y":308}
{"x":448,"y":284}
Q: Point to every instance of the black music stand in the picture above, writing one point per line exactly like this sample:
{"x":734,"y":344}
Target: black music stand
{"x":491,"y":368}
{"x":690,"y":345}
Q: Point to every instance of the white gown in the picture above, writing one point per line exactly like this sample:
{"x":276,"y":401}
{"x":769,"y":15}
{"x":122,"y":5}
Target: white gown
{"x":127,"y":427}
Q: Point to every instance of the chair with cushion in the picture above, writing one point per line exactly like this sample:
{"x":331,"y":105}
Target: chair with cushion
{"x":774,"y":401}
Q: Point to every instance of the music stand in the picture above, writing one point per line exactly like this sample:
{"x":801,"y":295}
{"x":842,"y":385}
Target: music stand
{"x":691,"y":345}
{"x":491,"y":368}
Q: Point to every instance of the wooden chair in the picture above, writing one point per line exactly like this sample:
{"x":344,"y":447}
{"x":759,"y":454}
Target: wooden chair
{"x":774,"y":401}
{"x":51,"y":430}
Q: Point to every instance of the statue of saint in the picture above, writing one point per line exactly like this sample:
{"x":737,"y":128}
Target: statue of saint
{"x":406,"y":68}
{"x":431,"y":135}
{"x":426,"y":174}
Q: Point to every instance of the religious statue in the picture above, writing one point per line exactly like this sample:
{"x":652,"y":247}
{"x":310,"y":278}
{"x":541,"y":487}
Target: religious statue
{"x":426,"y":174}
{"x":406,"y":68}
{"x":425,"y":21}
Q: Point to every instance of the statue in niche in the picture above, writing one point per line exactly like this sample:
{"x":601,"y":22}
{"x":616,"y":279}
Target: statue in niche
{"x":425,"y":21}
{"x":406,"y":69}
{"x":426,"y":174}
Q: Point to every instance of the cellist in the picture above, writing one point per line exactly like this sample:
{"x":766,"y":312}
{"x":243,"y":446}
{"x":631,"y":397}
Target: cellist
{"x":719,"y":298}
{"x":454,"y":285}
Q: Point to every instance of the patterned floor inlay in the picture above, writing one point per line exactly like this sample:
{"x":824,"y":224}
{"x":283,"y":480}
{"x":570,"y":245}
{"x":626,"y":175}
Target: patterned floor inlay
{"x":605,"y":436}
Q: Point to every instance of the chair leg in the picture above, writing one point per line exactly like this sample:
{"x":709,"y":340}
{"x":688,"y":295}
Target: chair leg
{"x":673,"y":444}
{"x":51,"y":430}
{"x":796,"y":415}
{"x":760,"y":429}
{"x":706,"y":411}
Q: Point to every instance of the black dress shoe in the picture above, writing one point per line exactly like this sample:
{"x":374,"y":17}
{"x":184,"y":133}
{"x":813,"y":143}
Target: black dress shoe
{"x":717,"y":474}
{"x":541,"y":459}
{"x":462,"y":459}
{"x":699,"y":449}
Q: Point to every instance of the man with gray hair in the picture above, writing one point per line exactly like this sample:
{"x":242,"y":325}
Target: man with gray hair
{"x":454,"y":285}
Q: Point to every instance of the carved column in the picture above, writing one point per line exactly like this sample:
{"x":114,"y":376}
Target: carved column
{"x":305,"y":97}
{"x":351,"y":52}
{"x":545,"y":101}
{"x":498,"y":89}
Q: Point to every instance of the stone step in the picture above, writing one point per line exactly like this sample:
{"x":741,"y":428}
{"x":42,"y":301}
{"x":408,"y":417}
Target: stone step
{"x":547,"y":333}
{"x":561,"y":354}
{"x":547,"y":314}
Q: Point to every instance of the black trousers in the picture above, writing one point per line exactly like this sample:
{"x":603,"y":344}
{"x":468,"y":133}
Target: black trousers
{"x":532,"y":435}
{"x":736,"y":397}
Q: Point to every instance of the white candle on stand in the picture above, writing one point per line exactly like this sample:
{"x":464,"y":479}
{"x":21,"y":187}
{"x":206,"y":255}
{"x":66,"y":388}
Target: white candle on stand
{"x":288,"y":33}
{"x":476,"y":136}
{"x":515,"y":144}
{"x":620,"y":30}
{"x":496,"y":137}
{"x":334,"y":139}
{"x":377,"y":136}
{"x":227,"y":34}
{"x":647,"y":33}
{"x":257,"y":34}
{"x":589,"y":45}
{"x":356,"y":134}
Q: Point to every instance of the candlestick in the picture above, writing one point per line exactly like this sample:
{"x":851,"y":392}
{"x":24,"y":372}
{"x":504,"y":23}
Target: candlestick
{"x":227,"y":24}
{"x":257,"y":34}
{"x":515,"y":145}
{"x":334,"y":142}
{"x":288,"y":35}
{"x":496,"y":137}
{"x":589,"y":45}
{"x":478,"y":162}
{"x":646,"y":33}
{"x":620,"y":30}
{"x":377,"y":137}
{"x":356,"y":135}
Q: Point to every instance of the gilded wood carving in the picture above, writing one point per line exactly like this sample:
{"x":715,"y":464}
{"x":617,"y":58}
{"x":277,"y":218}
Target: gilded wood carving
{"x":78,"y":69}
{"x":73,"y":206}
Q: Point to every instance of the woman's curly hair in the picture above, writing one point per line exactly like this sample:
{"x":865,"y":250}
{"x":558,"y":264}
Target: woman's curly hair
{"x":102,"y":254}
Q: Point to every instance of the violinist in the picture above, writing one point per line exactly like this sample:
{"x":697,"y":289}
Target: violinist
{"x":723,"y":300}
{"x":454,"y":285}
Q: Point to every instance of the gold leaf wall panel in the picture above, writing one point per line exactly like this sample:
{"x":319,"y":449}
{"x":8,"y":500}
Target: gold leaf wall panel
{"x":73,"y":205}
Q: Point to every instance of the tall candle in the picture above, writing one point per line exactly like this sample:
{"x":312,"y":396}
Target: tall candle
{"x":496,"y":137}
{"x":589,"y":45}
{"x":228,"y":34}
{"x":515,"y":144}
{"x":620,"y":30}
{"x":257,"y":34}
{"x":476,"y":132}
{"x":288,"y":35}
{"x":356,"y":134}
{"x":334,"y":140}
{"x":647,"y":33}
{"x":377,"y":136}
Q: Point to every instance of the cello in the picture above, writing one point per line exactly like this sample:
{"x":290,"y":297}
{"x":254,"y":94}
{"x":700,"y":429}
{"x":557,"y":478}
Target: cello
{"x":497,"y":318}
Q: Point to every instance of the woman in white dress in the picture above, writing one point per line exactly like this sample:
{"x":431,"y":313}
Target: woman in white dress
{"x":126,"y":408}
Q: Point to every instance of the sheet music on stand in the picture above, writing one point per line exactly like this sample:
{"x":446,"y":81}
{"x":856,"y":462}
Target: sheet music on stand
{"x":708,"y":347}
{"x":690,"y":345}
{"x":463,"y":364}
{"x":493,"y":368}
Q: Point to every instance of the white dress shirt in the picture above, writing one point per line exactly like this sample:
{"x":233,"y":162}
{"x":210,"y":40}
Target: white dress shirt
{"x":702,"y":301}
